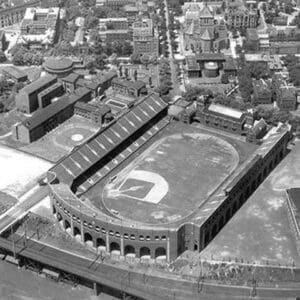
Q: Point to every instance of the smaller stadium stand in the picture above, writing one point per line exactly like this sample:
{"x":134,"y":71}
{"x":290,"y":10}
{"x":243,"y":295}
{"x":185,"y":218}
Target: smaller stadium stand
{"x":100,"y":148}
{"x":121,"y":157}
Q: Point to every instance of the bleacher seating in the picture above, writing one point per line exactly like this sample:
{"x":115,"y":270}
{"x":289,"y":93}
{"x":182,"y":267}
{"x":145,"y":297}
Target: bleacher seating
{"x":91,"y":152}
{"x":115,"y":162}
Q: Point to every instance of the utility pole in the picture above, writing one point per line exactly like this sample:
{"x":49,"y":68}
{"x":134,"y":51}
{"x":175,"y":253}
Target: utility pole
{"x":13,"y":241}
{"x":37,"y":230}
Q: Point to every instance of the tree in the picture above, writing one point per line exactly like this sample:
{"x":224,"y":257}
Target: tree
{"x":135,"y":75}
{"x":295,"y":75}
{"x":145,"y":60}
{"x":264,"y":113}
{"x":95,"y":36}
{"x":193,"y":91}
{"x":279,"y":116}
{"x":2,"y":57}
{"x":296,"y":21}
{"x":290,"y":60}
{"x":101,"y":61}
{"x":91,"y":22}
{"x":2,"y":106}
{"x":126,"y":72}
{"x":246,"y":87}
{"x":3,"y":85}
{"x":163,"y":89}
{"x":121,"y":71}
{"x":90,"y":63}
{"x":18,"y":59}
{"x":135,"y":58}
{"x":224,"y":78}
{"x":126,"y":48}
{"x":259,"y":70}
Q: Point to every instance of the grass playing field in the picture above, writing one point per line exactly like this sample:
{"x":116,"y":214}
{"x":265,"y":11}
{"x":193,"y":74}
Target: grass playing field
{"x":62,"y":139}
{"x":171,"y":178}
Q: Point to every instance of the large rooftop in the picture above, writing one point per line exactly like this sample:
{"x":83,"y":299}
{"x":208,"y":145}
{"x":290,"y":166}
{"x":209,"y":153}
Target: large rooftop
{"x":260,"y":231}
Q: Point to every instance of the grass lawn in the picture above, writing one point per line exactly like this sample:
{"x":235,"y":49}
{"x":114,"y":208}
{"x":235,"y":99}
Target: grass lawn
{"x":62,"y":139}
{"x":6,"y":202}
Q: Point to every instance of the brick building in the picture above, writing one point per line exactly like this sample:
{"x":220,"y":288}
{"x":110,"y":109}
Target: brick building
{"x":230,"y":67}
{"x":47,"y":119}
{"x":202,"y":31}
{"x":39,"y":27}
{"x":109,"y":36}
{"x":113,"y":23}
{"x":45,"y":97}
{"x":241,"y":14}
{"x":222,"y":117}
{"x":14,"y":14}
{"x":115,"y":4}
{"x":128,"y":88}
{"x":261,"y":92}
{"x":97,"y":86}
{"x":286,"y":98}
{"x":97,"y":114}
{"x":257,"y":131}
{"x":15,"y":74}
{"x":145,"y":38}
{"x":2,"y":40}
{"x":27,"y":98}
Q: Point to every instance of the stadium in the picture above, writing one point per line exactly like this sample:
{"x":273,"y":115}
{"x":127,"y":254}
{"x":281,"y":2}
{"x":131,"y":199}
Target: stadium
{"x":127,"y":192}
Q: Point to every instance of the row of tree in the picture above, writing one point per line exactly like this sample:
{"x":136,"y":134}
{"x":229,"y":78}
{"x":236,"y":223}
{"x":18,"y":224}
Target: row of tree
{"x":293,"y":66}
{"x":22,"y":56}
{"x":164,"y":77}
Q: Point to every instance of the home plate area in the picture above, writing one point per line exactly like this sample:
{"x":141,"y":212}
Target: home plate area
{"x":139,"y":185}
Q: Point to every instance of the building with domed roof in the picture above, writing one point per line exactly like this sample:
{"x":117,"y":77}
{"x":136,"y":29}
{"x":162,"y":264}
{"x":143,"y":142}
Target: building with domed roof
{"x":202,"y":32}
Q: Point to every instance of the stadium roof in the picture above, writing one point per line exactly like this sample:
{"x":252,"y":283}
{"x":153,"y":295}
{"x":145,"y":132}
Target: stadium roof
{"x":95,"y":149}
{"x":227,"y":111}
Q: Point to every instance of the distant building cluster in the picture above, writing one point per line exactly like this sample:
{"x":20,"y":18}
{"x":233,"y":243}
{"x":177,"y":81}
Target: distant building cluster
{"x":202,"y":32}
{"x":285,"y":95}
{"x":281,"y":41}
{"x":128,"y":88}
{"x":145,"y":38}
{"x":14,"y":14}
{"x":52,"y":99}
{"x":280,"y":92}
{"x":205,"y":65}
{"x":241,"y":14}
{"x":45,"y":120}
{"x":39,"y":27}
{"x":114,"y":29}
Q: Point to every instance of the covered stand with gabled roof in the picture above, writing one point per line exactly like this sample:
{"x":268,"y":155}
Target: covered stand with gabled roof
{"x":95,"y":149}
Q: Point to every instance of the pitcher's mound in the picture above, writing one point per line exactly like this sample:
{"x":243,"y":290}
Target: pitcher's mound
{"x":77,"y":137}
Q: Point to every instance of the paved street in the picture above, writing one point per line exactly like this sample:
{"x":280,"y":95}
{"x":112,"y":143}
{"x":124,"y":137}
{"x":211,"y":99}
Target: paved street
{"x":20,"y":284}
{"x":263,"y":25}
{"x":31,"y":198}
{"x":176,"y":88}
